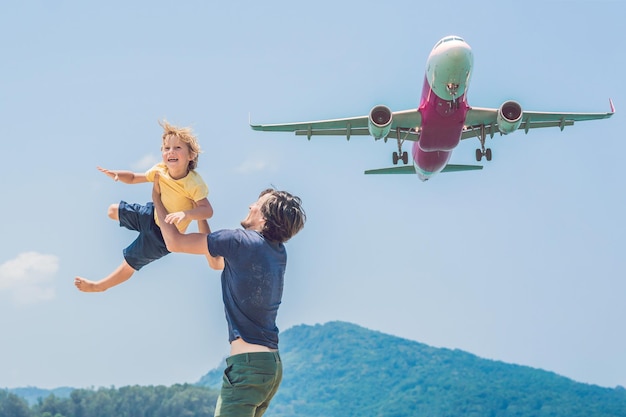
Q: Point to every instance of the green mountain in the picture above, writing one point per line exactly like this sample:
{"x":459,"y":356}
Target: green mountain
{"x":32,"y":394}
{"x":341,"y":370}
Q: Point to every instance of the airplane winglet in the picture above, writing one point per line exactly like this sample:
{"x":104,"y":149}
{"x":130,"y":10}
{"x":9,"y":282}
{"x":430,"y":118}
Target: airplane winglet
{"x":612,"y":106}
{"x":253,"y":127}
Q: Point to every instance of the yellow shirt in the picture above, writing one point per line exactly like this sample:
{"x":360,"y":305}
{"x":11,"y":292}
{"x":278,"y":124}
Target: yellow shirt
{"x":177,"y":195}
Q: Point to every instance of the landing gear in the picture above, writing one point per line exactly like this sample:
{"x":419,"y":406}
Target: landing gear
{"x":404,"y":156}
{"x":485,"y":152}
{"x":482,"y":151}
{"x":400,"y":155}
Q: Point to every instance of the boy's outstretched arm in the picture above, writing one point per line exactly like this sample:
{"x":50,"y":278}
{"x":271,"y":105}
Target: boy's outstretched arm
{"x":127,"y":177}
{"x":194,"y":243}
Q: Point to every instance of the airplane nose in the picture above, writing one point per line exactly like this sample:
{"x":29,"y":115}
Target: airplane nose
{"x":449,"y":69}
{"x":459,"y":55}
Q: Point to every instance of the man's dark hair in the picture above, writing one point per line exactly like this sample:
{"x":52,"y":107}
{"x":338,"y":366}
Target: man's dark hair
{"x":284,"y":216}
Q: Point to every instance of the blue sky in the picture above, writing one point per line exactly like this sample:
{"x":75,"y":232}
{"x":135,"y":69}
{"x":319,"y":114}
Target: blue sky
{"x":521,"y":262}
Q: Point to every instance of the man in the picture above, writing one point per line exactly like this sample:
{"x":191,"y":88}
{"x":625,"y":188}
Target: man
{"x":253,"y":261}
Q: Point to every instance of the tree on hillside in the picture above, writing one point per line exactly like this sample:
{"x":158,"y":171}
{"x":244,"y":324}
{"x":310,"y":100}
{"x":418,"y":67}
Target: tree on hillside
{"x":13,"y":406}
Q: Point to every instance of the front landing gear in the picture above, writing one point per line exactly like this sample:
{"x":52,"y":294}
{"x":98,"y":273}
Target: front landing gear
{"x":482,"y":151}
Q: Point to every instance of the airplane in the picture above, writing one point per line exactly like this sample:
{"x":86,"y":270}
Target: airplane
{"x":442,"y":119}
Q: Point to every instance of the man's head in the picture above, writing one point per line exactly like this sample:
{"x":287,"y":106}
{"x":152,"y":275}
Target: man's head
{"x":185,"y":135}
{"x":278,"y":215}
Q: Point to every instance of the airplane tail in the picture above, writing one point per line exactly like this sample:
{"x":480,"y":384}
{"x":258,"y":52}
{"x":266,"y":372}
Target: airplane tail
{"x":455,"y":168}
{"x":410,"y":169}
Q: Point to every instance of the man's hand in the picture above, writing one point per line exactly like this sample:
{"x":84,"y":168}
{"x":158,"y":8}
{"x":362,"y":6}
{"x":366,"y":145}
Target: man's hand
{"x":156,"y":188}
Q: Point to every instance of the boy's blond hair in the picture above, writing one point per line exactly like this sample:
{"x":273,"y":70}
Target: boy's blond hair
{"x":185,"y":134}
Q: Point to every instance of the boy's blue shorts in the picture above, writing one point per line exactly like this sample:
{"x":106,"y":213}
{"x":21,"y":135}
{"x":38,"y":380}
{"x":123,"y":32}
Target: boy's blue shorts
{"x":149,"y":245}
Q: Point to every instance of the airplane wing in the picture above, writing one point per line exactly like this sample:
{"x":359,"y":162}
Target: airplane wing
{"x":403,"y":122}
{"x":478,"y":117}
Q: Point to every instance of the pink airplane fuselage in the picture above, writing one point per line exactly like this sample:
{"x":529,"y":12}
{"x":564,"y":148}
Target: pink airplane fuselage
{"x":442,"y":118}
{"x":442,"y":124}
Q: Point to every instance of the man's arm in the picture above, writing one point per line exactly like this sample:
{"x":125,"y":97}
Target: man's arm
{"x":194,"y":243}
{"x":215,"y":262}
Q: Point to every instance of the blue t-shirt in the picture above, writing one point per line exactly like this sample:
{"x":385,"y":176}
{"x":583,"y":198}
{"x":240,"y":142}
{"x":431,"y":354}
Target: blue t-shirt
{"x":252,"y":284}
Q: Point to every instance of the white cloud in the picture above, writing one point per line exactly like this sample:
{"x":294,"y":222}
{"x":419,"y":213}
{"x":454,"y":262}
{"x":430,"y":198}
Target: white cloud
{"x":145,"y":163}
{"x":28,"y":277}
{"x":255,"y":164}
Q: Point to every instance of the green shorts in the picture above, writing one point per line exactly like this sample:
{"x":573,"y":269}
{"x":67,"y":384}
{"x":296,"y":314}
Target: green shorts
{"x":249,"y":382}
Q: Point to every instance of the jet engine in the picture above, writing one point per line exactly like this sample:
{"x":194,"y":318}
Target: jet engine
{"x":379,"y":122}
{"x":509,"y":117}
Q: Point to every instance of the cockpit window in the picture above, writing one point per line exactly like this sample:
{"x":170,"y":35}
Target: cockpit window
{"x":448,"y":39}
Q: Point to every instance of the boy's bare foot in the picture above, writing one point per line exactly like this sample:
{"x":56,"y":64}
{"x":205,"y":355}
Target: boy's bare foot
{"x":86,"y":286}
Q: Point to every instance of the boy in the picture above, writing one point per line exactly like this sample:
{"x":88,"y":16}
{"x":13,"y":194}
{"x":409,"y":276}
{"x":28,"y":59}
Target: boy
{"x":184,"y":195}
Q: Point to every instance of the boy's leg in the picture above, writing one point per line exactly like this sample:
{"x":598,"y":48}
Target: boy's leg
{"x":121,"y":274}
{"x":148,"y":247}
{"x":114,"y":212}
